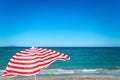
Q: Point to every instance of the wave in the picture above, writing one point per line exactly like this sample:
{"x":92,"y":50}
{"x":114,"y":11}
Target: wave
{"x":78,"y":71}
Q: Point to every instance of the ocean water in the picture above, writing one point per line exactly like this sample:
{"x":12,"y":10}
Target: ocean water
{"x":84,"y":61}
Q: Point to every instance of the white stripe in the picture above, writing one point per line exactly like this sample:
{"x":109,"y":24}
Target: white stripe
{"x":28,"y":70}
{"x":25,"y":61}
{"x":43,"y":54}
{"x":29,"y":61}
{"x":30,"y":50}
{"x":27,"y":53}
{"x":25,"y":70}
{"x":31,"y":65}
{"x":17,"y":56}
{"x":65,"y":56}
{"x":24,"y":57}
{"x":21,"y":74}
{"x":39,"y":48}
{"x":32,"y":53}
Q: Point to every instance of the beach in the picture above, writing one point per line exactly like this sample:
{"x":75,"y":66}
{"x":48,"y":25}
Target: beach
{"x":83,"y":77}
{"x":86,"y":63}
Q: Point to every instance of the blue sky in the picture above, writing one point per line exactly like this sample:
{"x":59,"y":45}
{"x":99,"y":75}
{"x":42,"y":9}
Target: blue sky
{"x":60,"y":22}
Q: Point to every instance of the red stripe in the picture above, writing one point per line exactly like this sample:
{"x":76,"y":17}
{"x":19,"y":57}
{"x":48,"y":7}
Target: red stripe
{"x":29,"y":50}
{"x":24,"y":73}
{"x":5,"y":72}
{"x":67,"y":57}
{"x":39,"y":49}
{"x":48,"y":52}
{"x":8,"y":74}
{"x":24,"y":59}
{"x":28,"y":68}
{"x":39,"y":55}
{"x":31,"y":56}
{"x":43,"y":51}
{"x":64,"y":54}
{"x":35,"y":61}
{"x":64,"y":58}
{"x":36,"y":57}
{"x":24,"y":63}
{"x":24,"y":54}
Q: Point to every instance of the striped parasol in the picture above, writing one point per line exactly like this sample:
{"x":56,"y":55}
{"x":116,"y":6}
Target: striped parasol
{"x":31,"y":61}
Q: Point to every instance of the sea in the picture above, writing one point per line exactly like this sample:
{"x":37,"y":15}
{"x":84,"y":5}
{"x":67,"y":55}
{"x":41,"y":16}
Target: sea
{"x":83,"y":61}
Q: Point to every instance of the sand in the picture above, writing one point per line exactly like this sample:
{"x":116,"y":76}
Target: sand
{"x":84,"y":77}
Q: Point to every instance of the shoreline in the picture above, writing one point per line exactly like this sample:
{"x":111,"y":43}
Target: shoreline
{"x":74,"y":73}
{"x":63,"y":72}
{"x":81,"y":77}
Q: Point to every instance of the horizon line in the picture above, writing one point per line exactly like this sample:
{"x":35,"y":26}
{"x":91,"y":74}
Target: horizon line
{"x":60,"y":46}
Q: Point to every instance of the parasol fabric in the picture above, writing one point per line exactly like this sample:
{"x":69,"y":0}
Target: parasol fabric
{"x":31,"y":61}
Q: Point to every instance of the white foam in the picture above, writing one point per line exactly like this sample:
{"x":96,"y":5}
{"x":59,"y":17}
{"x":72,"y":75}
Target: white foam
{"x":57,"y":71}
{"x":73,"y":72}
{"x":89,"y":70}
